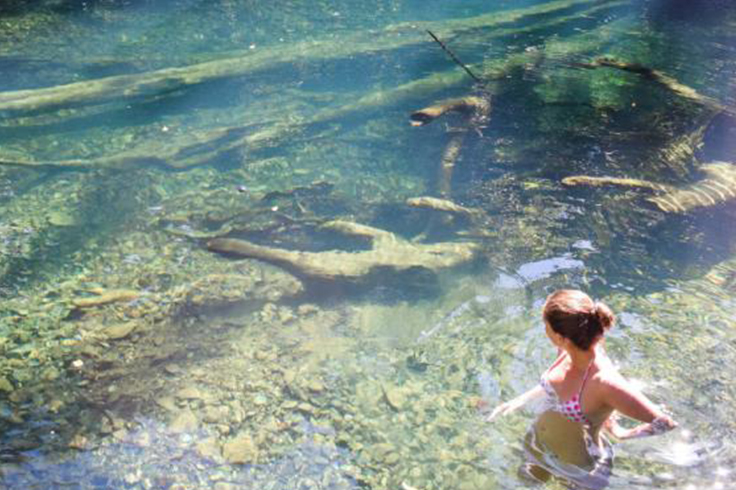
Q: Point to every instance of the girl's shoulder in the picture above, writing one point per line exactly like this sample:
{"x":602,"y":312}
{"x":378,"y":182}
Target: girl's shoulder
{"x":607,"y":374}
{"x":612,"y":387}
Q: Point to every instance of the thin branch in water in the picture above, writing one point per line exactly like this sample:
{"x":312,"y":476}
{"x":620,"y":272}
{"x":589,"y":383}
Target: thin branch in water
{"x":454,"y":58}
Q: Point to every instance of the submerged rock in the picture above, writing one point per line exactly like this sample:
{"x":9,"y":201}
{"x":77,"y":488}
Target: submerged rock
{"x":5,"y":385}
{"x":240,"y":450}
{"x":189,"y":393}
{"x":61,"y":218}
{"x":120,"y":331}
{"x":394,"y":396}
{"x":185,"y":421}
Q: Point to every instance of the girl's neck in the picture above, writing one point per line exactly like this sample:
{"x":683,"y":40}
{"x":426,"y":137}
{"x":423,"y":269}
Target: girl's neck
{"x":581,"y":359}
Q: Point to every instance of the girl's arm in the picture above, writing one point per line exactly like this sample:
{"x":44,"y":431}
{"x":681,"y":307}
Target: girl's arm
{"x":629,"y":401}
{"x":521,"y":400}
{"x":518,"y":402}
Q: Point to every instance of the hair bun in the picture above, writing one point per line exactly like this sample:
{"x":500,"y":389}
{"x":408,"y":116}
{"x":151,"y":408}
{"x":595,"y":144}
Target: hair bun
{"x":574,"y":315}
{"x":603,"y":315}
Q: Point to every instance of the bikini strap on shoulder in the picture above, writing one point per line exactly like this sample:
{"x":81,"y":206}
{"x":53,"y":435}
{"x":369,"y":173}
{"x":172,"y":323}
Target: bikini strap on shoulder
{"x":585,"y":378}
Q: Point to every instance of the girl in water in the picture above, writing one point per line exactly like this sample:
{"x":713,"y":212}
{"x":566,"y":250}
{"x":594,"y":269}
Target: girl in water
{"x":583,"y":393}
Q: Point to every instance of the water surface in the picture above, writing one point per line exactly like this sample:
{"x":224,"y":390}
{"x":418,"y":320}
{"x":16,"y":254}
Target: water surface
{"x":134,"y":357}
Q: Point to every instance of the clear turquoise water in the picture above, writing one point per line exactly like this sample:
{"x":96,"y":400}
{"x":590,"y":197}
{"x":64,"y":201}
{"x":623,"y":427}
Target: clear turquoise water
{"x":444,"y":339}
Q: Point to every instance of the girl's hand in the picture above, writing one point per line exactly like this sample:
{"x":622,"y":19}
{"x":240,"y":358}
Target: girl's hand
{"x":515,"y":404}
{"x":660,"y":425}
{"x":502,"y":409}
{"x":612,"y":426}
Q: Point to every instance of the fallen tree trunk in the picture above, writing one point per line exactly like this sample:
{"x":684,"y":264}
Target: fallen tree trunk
{"x":145,"y":84}
{"x":200,"y":148}
{"x":187,"y":151}
{"x":388,"y":253}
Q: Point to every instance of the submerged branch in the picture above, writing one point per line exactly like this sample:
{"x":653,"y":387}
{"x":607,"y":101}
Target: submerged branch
{"x":455,"y":58}
{"x":476,"y":112}
{"x":579,"y":180}
{"x":661,"y":78}
{"x":388,"y":253}
{"x":183,"y":152}
{"x":717,"y":187}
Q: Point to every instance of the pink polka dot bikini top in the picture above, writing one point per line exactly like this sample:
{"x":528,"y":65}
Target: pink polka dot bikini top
{"x":572,"y":409}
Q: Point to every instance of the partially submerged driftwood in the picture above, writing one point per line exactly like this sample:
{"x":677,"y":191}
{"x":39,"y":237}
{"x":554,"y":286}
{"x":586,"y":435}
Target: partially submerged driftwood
{"x":388,"y":253}
{"x":717,"y":187}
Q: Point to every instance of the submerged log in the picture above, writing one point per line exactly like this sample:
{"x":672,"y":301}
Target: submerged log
{"x":679,"y":154}
{"x":680,"y":151}
{"x":443,"y":205}
{"x":476,"y":109}
{"x":717,"y":187}
{"x":186,"y":151}
{"x":388,"y":253}
{"x":476,"y":112}
{"x":202,"y":147}
{"x":103,"y":298}
{"x":447,"y":163}
{"x":198,"y":148}
{"x":169,"y":79}
{"x":496,"y":69}
{"x":578,"y":180}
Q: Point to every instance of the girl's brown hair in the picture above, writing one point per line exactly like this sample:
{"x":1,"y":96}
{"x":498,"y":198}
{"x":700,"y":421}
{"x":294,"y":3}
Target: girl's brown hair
{"x":572,"y":314}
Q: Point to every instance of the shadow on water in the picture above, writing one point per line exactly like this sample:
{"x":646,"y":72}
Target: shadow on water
{"x":700,"y":12}
{"x":107,"y":201}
